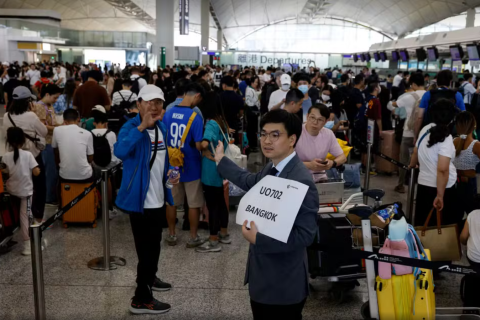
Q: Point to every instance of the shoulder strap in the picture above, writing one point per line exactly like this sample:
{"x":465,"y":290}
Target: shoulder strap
{"x":416,"y":96}
{"x":11,"y":120}
{"x":187,"y":129}
{"x":130,"y":96}
{"x":421,"y":139}
{"x":105,"y":135}
{"x":121,"y":96}
{"x":152,"y":160}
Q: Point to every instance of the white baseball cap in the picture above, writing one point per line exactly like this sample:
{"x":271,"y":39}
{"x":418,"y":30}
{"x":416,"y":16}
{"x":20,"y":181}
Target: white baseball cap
{"x":285,"y":81}
{"x":6,"y":63}
{"x":150,"y":92}
{"x":99,"y":108}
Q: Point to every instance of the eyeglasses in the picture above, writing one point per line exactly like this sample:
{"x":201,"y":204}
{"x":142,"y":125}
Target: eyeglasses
{"x":316,"y":120}
{"x":272,"y":136}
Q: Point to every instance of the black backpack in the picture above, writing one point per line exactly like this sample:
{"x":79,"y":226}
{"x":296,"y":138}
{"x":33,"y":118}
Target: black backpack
{"x":125,"y":104}
{"x":436,"y":95}
{"x":135,"y":86}
{"x":102,"y":155}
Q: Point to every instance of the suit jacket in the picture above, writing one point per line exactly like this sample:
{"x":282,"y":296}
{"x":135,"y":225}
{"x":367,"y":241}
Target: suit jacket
{"x":277,"y":272}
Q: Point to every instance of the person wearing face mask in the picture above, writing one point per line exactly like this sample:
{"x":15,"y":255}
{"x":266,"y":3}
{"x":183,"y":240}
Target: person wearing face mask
{"x":304,"y":85}
{"x":317,"y":141}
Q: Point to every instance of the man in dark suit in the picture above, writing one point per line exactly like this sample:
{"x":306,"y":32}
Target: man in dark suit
{"x":277,"y":272}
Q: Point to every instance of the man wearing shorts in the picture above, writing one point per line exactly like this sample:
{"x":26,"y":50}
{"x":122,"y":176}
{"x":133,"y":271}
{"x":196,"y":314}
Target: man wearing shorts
{"x":176,"y":120}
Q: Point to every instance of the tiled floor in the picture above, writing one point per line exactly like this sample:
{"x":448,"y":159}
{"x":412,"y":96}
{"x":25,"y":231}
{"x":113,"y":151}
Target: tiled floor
{"x":206,"y":286}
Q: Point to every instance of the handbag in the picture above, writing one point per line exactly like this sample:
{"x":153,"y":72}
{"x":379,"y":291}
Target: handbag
{"x":37,"y":141}
{"x":232,"y":151}
{"x":443,"y":241}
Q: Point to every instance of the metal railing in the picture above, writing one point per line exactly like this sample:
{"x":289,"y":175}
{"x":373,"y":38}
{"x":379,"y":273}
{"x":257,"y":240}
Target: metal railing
{"x":104,"y":263}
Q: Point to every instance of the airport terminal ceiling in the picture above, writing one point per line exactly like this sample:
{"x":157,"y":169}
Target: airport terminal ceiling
{"x":240,"y":18}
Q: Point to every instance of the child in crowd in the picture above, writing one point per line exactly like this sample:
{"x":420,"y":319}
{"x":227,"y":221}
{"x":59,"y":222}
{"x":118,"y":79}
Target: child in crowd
{"x":100,"y":121}
{"x":20,"y":165}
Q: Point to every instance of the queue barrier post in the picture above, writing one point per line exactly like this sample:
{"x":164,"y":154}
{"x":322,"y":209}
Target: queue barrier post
{"x":37,"y":272}
{"x":106,"y":262}
{"x":350,"y":141}
{"x":367,"y":171}
{"x":411,"y":196}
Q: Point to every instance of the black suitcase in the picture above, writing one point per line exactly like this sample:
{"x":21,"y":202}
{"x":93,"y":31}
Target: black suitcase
{"x":469,"y":291}
{"x":335,"y":231}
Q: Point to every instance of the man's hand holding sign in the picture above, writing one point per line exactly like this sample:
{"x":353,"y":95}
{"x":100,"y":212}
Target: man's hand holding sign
{"x":278,"y":217}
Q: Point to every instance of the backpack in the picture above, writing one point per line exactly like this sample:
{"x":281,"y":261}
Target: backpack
{"x":415,"y":110}
{"x":102,"y":155}
{"x":175,"y":155}
{"x":125,"y":104}
{"x":461,"y":89}
{"x":436,"y":95}
{"x":135,"y":86}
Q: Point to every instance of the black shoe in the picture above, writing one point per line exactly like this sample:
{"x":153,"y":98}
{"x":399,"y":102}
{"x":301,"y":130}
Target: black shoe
{"x":152,"y":307}
{"x":159,"y":285}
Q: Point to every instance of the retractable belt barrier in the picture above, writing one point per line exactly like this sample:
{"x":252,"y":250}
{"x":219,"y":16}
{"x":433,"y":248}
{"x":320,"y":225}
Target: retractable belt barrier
{"x":441,"y":266}
{"x":395,"y":162}
{"x":69,"y":205}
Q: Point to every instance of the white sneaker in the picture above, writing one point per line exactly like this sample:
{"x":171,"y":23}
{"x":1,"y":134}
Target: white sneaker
{"x":27,"y":250}
{"x":112,"y":214}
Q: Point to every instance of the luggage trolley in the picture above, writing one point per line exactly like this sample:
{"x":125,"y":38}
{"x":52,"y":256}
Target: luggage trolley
{"x":345,"y":231}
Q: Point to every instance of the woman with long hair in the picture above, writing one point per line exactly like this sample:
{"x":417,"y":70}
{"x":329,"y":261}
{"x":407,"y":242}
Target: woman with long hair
{"x":216,"y":129}
{"x":467,"y":156}
{"x":434,"y":152}
{"x":153,"y":78}
{"x":20,"y":115}
{"x":65,"y":100}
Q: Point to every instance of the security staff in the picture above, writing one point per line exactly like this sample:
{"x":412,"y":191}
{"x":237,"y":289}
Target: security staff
{"x":276,"y":271}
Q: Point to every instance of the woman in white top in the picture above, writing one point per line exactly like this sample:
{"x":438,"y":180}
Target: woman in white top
{"x":252,"y":102}
{"x":466,"y":160}
{"x":435,"y":152}
{"x":19,"y":115}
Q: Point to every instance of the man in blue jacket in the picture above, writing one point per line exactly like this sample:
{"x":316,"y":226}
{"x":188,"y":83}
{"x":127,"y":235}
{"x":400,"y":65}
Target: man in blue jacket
{"x":143,"y":194}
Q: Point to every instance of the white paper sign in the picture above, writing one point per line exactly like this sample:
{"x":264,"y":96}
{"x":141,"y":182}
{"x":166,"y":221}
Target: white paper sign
{"x":273,"y":205}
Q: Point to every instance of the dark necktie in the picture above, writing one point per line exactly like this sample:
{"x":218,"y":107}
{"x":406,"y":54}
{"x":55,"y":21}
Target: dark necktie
{"x":273,"y":171}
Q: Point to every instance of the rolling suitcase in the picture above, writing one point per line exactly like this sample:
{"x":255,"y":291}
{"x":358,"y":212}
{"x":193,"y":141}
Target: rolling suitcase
{"x":407,"y":298}
{"x":85,"y":210}
{"x":389,"y":147}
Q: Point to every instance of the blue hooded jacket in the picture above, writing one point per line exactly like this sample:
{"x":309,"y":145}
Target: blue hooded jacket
{"x":134,"y":149}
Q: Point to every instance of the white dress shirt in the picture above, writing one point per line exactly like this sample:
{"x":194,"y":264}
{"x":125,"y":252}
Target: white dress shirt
{"x":282,"y":164}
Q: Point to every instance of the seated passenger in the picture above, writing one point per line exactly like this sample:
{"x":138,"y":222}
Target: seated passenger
{"x":73,"y":148}
{"x":316,"y":142}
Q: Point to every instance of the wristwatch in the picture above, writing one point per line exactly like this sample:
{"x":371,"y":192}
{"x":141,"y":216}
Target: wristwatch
{"x":334,"y":164}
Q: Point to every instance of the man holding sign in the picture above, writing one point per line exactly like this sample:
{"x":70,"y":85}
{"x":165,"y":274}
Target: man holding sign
{"x":276,"y":269}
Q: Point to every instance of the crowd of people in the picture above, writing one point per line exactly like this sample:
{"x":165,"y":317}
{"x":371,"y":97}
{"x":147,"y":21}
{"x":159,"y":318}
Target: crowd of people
{"x":170,"y":128}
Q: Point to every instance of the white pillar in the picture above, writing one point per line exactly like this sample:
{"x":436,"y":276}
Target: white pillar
{"x":165,"y":10}
{"x":219,"y":39}
{"x":470,"y":18}
{"x":205,"y":27}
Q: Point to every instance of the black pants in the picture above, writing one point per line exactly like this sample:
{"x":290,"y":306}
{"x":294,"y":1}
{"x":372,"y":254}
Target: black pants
{"x":217,"y":208}
{"x":252,"y":126}
{"x":39,"y":190}
{"x":147,"y":233}
{"x":424,"y":203}
{"x":277,"y":312}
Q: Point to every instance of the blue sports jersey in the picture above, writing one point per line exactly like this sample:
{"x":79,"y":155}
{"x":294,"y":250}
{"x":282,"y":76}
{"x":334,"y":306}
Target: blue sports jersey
{"x":176,"y":120}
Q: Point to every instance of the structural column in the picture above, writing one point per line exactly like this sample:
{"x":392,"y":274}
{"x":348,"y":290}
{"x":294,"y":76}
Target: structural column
{"x":219,"y":40}
{"x":165,"y":10}
{"x":470,"y":18}
{"x":205,"y":28}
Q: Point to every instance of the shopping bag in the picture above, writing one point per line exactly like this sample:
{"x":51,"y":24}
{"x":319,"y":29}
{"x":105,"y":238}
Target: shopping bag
{"x":443,"y":241}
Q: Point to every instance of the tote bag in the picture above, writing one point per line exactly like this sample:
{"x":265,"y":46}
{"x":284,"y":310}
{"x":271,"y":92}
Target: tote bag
{"x":442,"y":241}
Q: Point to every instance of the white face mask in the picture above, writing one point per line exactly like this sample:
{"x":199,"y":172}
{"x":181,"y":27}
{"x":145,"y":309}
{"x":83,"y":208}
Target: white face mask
{"x":325,"y":97}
